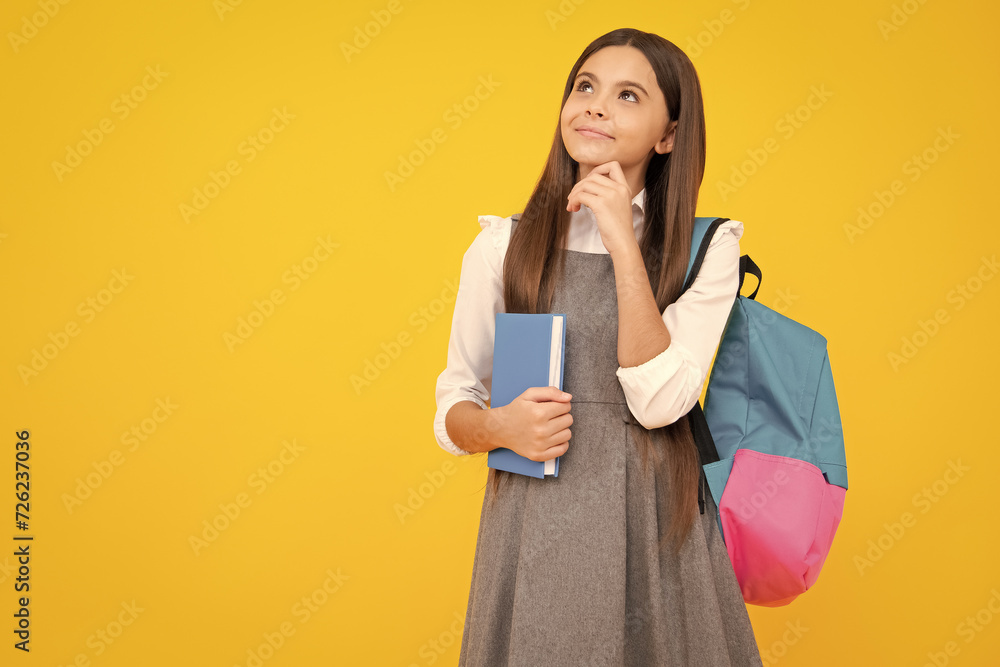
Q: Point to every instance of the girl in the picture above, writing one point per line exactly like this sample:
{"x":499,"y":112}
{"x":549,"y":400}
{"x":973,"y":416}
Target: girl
{"x":610,"y":563}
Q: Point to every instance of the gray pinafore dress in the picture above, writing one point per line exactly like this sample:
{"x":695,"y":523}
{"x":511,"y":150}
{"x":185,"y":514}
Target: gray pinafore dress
{"x":567,"y":569}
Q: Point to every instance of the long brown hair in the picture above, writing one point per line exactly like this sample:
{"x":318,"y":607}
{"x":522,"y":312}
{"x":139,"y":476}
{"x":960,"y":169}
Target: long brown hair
{"x":533,"y":263}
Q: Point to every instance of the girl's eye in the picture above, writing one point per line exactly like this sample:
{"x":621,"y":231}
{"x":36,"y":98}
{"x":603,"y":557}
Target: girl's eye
{"x":635,"y":97}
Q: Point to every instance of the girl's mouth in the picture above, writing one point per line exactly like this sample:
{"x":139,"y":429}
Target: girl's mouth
{"x":594,"y":134}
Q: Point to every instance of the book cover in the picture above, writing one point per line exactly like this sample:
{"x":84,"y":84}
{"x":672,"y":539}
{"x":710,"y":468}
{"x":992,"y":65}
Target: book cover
{"x":527,"y":352}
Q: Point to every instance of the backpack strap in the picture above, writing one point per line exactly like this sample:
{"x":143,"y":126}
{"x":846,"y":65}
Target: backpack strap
{"x":747,"y":265}
{"x":707,"y":451}
{"x":701,"y":236}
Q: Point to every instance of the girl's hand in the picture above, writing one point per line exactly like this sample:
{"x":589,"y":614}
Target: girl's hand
{"x":536,"y":423}
{"x":606,"y":192}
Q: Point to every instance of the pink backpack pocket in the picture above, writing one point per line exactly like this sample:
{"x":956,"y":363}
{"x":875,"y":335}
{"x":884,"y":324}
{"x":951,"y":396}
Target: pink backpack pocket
{"x":778,"y":516}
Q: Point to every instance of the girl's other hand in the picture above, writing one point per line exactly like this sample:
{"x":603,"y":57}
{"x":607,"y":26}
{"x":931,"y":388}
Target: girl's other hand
{"x":606,"y":192}
{"x":536,"y":423}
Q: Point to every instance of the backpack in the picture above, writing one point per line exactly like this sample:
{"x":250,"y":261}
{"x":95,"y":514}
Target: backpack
{"x":771,"y":443}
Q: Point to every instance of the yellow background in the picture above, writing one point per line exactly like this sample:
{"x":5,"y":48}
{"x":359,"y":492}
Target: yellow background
{"x":896,"y":72}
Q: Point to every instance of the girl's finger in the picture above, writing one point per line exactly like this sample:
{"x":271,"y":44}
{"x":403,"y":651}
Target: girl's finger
{"x":616,"y":173}
{"x":610,"y":170}
{"x":592,"y":187}
{"x":610,"y":175}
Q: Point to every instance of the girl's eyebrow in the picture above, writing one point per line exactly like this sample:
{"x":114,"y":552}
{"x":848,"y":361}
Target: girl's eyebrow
{"x":630,"y":84}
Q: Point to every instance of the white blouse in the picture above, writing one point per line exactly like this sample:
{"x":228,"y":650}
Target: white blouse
{"x":659,"y":391}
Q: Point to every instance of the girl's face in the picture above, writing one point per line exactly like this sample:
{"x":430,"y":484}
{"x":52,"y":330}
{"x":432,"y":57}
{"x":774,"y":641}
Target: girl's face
{"x":616,"y":94}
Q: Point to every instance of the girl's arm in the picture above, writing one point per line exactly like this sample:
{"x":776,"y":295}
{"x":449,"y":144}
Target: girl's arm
{"x":536,"y":424}
{"x":467,"y":377}
{"x":642,"y":333}
{"x":471,"y":428}
{"x":664,"y":359}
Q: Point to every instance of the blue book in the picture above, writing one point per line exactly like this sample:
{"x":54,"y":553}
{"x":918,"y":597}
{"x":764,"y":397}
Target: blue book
{"x":527,"y":352}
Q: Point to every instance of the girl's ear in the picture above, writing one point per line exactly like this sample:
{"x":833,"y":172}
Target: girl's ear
{"x":666,"y":144}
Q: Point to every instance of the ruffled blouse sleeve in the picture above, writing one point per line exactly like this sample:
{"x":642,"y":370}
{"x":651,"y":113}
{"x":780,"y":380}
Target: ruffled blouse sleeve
{"x":469,"y":372}
{"x":666,"y":387}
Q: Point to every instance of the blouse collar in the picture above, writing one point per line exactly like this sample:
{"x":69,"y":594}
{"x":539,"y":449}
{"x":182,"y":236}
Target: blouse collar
{"x":640,"y":200}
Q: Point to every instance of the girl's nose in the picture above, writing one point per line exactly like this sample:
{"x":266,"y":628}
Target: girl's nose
{"x":596,"y":106}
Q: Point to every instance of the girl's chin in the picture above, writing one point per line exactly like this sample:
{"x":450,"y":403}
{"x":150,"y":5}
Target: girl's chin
{"x":587,"y":164}
{"x":592,"y":157}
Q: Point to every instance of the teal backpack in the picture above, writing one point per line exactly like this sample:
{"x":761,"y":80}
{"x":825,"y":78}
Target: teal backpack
{"x":770,"y":441}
